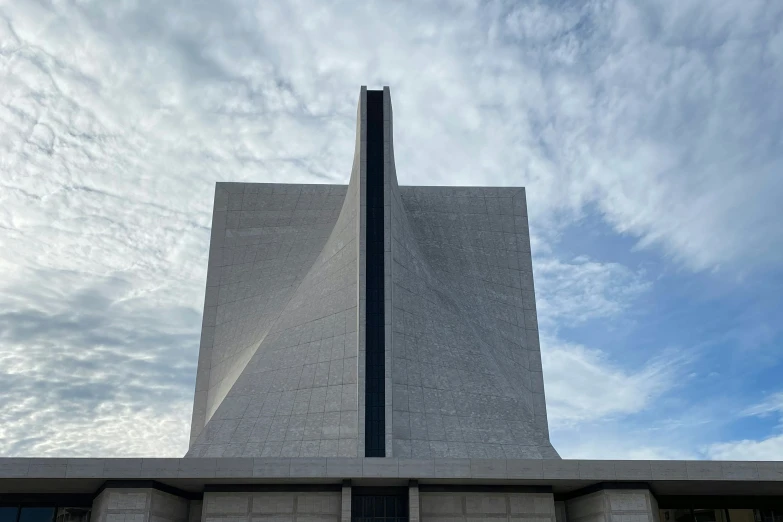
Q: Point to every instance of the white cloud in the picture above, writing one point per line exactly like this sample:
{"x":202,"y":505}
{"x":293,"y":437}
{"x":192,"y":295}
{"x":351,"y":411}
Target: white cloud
{"x":577,"y":290}
{"x":116,"y":118}
{"x":770,"y":448}
{"x":106,"y":374}
{"x":619,"y":441}
{"x":771,"y":405}
{"x":766,"y":448}
{"x":584,"y":385}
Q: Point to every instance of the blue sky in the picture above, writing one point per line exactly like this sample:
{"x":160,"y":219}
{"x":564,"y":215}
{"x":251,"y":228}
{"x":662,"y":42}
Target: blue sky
{"x":648,"y":135}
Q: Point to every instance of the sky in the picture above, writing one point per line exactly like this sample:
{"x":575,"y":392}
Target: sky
{"x":648,"y":135}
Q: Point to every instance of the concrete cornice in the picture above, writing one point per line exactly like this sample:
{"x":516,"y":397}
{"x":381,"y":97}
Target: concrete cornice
{"x":359,"y":468}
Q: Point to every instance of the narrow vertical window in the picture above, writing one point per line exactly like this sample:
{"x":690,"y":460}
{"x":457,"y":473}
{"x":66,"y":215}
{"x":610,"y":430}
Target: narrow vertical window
{"x":374,"y":400}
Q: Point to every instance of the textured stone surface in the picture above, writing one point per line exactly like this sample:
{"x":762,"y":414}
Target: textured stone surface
{"x":345,"y":503}
{"x":280,"y":375}
{"x":414,"y":503}
{"x":265,"y":239}
{"x":277,"y":507}
{"x":338,"y":468}
{"x":140,"y":505}
{"x":613,"y":505}
{"x":455,"y":506}
{"x":281,"y":367}
{"x":467,"y":379}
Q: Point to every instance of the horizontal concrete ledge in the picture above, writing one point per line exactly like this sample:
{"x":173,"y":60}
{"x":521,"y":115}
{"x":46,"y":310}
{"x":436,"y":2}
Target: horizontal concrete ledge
{"x":358,"y":468}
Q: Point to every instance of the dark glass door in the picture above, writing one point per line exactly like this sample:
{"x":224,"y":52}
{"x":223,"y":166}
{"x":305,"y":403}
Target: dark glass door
{"x":379,"y":508}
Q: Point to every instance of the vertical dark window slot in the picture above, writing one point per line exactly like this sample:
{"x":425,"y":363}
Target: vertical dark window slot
{"x":374,"y":398}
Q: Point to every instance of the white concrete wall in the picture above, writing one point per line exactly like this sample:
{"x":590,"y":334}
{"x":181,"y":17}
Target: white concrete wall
{"x":265,"y":238}
{"x":272,"y":507}
{"x":466,"y":363}
{"x":613,"y":506}
{"x":475,"y":507}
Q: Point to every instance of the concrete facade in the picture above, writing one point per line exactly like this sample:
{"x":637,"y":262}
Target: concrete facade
{"x":282,"y":360}
{"x":613,"y":505}
{"x":264,"y":242}
{"x":289,"y":389}
{"x":487,"y":506}
{"x":142,"y":505}
{"x":439,"y":489}
{"x":467,"y":376}
{"x":18,"y":473}
{"x":293,"y":506}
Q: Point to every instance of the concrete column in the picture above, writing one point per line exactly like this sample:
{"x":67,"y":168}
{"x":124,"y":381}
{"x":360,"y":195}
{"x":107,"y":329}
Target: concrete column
{"x":345,"y":504}
{"x":414,"y":513}
{"x":139,"y":505}
{"x":560,"y":512}
{"x":633,"y":505}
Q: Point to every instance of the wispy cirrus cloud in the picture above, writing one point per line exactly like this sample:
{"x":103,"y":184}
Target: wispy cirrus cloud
{"x":585,"y":385}
{"x":101,"y":372}
{"x":768,"y":447}
{"x":574,"y":291}
{"x":116,"y":119}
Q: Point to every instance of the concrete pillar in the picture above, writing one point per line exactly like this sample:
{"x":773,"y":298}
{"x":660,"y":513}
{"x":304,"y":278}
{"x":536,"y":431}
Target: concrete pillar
{"x":345,"y":504}
{"x":560,"y":512}
{"x":139,"y":505}
{"x":196,"y":507}
{"x":636,"y":505}
{"x":414,"y":513}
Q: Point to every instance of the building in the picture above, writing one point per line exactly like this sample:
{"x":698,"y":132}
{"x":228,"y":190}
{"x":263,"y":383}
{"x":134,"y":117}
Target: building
{"x":370,"y":353}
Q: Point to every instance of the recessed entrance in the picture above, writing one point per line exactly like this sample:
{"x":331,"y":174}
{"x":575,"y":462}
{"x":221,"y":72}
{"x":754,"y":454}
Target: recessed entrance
{"x":379,"y":505}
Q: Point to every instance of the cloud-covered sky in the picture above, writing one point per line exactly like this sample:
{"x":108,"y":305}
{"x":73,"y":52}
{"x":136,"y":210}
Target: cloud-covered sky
{"x":648,"y":134}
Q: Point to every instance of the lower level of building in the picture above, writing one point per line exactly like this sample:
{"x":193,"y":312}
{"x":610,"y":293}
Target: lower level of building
{"x":387,"y":490}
